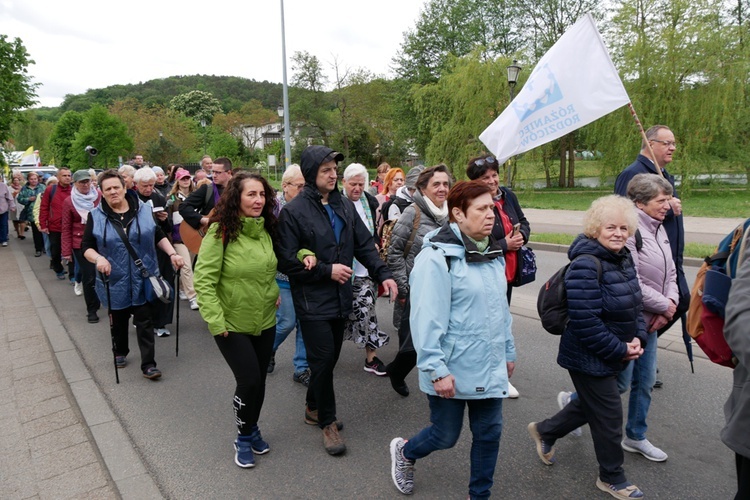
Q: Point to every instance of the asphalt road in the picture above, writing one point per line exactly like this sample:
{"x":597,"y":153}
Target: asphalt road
{"x":182,"y":426}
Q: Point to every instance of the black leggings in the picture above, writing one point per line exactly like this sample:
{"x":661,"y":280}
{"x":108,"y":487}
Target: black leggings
{"x":248,"y":357}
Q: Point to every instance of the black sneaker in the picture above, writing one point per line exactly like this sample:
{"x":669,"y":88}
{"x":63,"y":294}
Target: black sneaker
{"x":272,"y":363}
{"x":375,"y":366}
{"x":121,"y":361}
{"x":152,"y":373}
{"x":92,"y":317}
{"x":302,"y":377}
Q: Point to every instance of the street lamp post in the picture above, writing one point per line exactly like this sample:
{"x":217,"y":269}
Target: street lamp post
{"x":287,"y":144}
{"x":513,"y":71}
{"x":280,"y":112}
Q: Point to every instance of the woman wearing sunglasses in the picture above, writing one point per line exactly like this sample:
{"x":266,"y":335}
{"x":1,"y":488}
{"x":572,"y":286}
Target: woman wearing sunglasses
{"x":511,"y":228}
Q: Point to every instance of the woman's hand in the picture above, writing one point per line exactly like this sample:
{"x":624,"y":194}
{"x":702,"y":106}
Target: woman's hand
{"x":671,"y":310}
{"x":658,"y":322}
{"x":177,"y":261}
{"x":634,"y":349}
{"x":225,"y":334}
{"x":515,"y":242}
{"x":446,"y":387}
{"x":310,"y":261}
{"x":278,"y":301}
{"x":511,"y":366}
{"x":103,"y":266}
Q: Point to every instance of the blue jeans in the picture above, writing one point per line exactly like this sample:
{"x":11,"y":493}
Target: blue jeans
{"x":286,"y":321}
{"x":4,"y":227}
{"x":639,"y":377}
{"x":447,"y":417}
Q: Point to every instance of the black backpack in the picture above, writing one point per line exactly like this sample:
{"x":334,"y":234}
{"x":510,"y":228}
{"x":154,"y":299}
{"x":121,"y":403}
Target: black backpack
{"x":552,"y":301}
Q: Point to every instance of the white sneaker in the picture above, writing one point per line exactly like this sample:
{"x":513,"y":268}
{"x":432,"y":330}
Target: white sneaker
{"x":183,"y":296}
{"x":161,"y":332}
{"x":194,"y":304}
{"x":645,"y":448}
{"x":512,"y":391}
{"x":78,"y":288}
{"x":563,"y":399}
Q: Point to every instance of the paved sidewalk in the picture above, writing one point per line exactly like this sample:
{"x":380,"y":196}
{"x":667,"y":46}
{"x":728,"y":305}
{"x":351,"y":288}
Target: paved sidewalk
{"x":58,"y":436}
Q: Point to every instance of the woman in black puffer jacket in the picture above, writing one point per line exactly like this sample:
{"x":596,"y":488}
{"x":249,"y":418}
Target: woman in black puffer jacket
{"x":605,"y":332}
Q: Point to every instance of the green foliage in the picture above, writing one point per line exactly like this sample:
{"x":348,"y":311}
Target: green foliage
{"x":196,"y":104}
{"x":29,"y":130}
{"x":231,"y":91}
{"x":105,"y":132}
{"x":61,"y":140}
{"x":16,"y":89}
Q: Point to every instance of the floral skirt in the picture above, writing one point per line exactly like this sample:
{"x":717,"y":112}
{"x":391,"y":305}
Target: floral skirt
{"x":362,"y":324}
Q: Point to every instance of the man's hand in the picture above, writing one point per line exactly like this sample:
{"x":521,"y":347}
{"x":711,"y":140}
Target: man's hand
{"x":676,"y":205}
{"x":341,"y":273}
{"x":657,"y":322}
{"x":391,"y":289}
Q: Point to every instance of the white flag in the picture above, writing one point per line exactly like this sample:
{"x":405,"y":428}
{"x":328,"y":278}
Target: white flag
{"x":573,"y":84}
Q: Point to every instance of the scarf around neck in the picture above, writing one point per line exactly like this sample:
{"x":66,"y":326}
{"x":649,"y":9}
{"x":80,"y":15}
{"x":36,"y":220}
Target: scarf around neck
{"x":84,"y":203}
{"x":441,"y":214}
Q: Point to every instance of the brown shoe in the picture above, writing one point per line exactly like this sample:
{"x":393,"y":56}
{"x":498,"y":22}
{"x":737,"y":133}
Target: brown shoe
{"x":311,"y":418}
{"x":332,"y":440}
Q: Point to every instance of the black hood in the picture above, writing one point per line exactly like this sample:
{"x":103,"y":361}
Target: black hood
{"x":312,"y":158}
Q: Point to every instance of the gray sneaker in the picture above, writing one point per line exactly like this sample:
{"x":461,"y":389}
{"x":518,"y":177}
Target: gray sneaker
{"x":563,"y":399}
{"x":402,"y":469}
{"x":645,"y":448}
{"x":302,"y":377}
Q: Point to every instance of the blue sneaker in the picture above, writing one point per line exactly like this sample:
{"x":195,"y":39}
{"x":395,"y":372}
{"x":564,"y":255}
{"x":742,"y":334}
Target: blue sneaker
{"x":243,"y":452}
{"x":259,"y":446}
{"x":61,"y":276}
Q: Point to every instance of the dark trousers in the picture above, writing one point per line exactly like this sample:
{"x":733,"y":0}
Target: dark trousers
{"x":88,"y":270}
{"x":38,"y":238}
{"x":743,"y":477}
{"x":55,"y":245}
{"x":144,"y":330}
{"x":248,"y":357}
{"x":406,"y":358}
{"x":598,"y":405}
{"x":323,"y":345}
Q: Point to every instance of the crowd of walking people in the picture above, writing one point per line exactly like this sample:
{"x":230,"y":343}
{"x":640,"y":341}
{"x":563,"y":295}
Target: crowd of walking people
{"x":313,"y":258}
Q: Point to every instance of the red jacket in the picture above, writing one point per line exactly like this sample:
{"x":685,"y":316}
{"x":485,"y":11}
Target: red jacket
{"x":72,"y":227}
{"x":50,"y":212}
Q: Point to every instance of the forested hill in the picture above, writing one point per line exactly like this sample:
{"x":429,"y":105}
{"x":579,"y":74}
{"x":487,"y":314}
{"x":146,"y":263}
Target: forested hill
{"x":231,"y":91}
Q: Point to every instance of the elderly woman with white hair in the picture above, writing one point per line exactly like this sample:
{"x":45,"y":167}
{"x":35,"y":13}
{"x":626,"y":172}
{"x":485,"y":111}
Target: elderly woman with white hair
{"x":127,"y":172}
{"x":362,"y":324}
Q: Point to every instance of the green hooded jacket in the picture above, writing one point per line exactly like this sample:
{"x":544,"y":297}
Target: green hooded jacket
{"x":236,"y":286}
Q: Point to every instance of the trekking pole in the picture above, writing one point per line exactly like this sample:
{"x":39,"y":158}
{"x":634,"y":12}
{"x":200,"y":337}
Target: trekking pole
{"x":177,"y":321}
{"x":105,"y":279}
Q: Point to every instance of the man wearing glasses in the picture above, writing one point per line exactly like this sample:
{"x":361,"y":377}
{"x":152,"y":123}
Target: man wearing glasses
{"x":643,"y":375}
{"x":194,"y":210}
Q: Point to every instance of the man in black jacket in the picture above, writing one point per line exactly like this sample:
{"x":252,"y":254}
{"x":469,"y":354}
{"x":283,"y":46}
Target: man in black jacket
{"x":194,"y":210}
{"x":321,"y":220}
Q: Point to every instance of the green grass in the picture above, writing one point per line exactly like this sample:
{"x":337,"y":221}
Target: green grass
{"x":698,"y":250}
{"x":705,"y":203}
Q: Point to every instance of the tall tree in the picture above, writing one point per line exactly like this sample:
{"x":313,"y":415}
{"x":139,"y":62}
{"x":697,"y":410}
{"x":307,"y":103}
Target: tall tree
{"x":311,"y":108}
{"x":63,"y":135}
{"x":196,"y":104}
{"x":16,"y":89}
{"x":105,"y":132}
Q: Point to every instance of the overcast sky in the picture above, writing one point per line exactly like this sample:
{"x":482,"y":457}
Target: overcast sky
{"x":86,"y":44}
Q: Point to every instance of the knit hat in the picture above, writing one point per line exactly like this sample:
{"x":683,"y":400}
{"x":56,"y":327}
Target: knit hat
{"x":412,"y":176}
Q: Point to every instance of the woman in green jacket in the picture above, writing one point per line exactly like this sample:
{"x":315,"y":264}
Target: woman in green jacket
{"x":235,"y":280}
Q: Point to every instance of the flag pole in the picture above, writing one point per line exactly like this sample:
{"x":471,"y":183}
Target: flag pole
{"x":645,"y":139}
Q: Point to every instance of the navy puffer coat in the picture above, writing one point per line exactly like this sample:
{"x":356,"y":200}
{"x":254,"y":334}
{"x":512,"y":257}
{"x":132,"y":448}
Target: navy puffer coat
{"x":605,"y":314}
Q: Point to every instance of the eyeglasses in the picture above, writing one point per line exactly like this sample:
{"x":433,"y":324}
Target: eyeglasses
{"x":666,"y":143}
{"x":489,"y":160}
{"x":215,"y":172}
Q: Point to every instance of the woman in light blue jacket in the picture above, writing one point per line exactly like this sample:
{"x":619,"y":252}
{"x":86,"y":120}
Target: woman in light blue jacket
{"x":460,"y":323}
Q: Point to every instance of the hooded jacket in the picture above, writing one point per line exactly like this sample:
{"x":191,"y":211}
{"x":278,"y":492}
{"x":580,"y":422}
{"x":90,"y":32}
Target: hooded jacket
{"x":656,"y":272}
{"x":605,"y":313}
{"x":304,"y":223}
{"x":460,"y":320}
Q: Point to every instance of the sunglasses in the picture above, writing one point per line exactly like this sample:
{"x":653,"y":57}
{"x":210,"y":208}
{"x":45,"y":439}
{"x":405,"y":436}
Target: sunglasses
{"x":490,"y":160}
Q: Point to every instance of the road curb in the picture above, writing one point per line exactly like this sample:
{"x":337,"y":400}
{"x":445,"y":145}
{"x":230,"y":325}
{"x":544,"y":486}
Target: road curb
{"x":111,"y":440}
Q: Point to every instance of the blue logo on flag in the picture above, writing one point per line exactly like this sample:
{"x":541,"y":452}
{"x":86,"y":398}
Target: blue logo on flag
{"x":551,"y":93}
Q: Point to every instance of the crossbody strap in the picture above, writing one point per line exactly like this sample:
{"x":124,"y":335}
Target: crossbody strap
{"x":131,"y":251}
